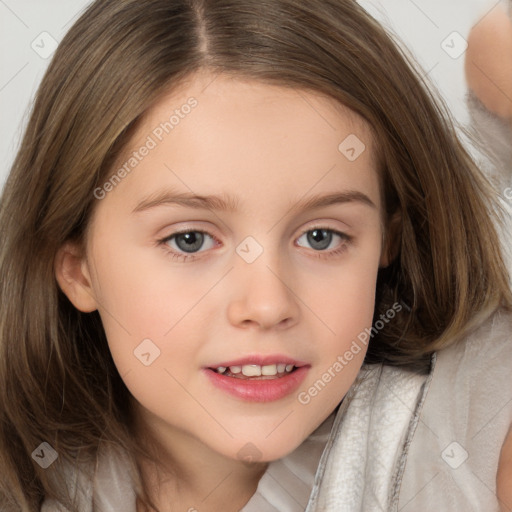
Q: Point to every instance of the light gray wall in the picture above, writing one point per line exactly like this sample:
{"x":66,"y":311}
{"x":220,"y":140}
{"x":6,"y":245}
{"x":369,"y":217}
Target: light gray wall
{"x":27,"y":31}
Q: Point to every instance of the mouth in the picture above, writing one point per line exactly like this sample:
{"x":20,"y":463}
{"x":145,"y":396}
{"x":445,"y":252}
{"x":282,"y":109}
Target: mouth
{"x":256,"y":371}
{"x":258,"y":378}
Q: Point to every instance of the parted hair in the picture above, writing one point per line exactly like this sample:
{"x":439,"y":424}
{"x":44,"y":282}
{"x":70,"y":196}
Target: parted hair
{"x":58,"y":382}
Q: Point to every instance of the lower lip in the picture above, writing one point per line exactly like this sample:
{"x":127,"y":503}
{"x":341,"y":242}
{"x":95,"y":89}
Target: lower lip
{"x":254,"y":390}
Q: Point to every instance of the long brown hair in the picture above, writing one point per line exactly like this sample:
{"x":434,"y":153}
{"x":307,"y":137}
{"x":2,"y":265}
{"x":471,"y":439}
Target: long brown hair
{"x":58,"y":382}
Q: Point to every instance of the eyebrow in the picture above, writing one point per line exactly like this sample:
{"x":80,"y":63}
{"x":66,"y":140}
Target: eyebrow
{"x":229,"y":203}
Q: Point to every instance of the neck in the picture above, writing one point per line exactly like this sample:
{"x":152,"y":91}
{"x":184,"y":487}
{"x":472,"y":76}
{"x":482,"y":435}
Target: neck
{"x":189,"y":475}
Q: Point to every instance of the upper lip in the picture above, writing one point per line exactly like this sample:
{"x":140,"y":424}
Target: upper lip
{"x":261,"y":360}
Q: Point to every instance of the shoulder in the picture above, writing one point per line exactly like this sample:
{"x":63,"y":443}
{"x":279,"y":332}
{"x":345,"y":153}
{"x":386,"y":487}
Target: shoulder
{"x":477,"y":371}
{"x":454,"y":456}
{"x":487,"y":349}
{"x":489,"y":354}
{"x":374,"y":424}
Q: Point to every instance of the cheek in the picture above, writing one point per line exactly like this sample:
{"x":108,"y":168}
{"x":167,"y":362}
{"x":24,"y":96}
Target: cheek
{"x":140,"y":298}
{"x":143,"y":291}
{"x":151,"y":317}
{"x":342,"y":300}
{"x":343,"y":295}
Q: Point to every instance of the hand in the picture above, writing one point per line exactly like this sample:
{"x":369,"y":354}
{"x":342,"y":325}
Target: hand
{"x":488,"y":64}
{"x":504,"y":476}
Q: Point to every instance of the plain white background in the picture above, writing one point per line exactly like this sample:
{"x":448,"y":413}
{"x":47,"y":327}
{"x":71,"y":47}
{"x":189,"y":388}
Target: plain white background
{"x":28,"y":27}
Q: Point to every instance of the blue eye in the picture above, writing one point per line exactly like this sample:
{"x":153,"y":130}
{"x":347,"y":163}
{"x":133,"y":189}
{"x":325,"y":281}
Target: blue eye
{"x":185,"y":245}
{"x":187,"y":241}
{"x":321,"y":238}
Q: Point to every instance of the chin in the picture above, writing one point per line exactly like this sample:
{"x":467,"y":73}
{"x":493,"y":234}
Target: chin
{"x":259,"y":449}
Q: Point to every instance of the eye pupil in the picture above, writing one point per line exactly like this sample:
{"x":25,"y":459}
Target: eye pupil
{"x":193,"y":241}
{"x":322,"y":237}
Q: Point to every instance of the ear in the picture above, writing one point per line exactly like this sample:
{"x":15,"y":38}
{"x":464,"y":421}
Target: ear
{"x":391,"y":240}
{"x":72,"y":274}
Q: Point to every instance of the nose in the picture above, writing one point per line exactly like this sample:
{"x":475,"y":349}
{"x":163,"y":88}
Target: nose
{"x":262,"y":295}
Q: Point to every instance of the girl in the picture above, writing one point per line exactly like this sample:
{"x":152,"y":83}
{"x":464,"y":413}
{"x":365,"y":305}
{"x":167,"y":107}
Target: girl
{"x":218,"y":212}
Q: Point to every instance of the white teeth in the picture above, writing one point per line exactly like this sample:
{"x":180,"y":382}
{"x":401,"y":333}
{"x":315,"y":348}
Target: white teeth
{"x":251,"y":370}
{"x":270,"y":369}
{"x":255,"y":370}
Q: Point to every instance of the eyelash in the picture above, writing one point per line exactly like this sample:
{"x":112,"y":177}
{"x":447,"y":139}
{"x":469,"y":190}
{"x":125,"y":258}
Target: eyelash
{"x":323,"y":254}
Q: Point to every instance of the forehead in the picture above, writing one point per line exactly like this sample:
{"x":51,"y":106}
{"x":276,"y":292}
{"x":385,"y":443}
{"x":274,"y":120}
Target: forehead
{"x":244,"y":101}
{"x":220,"y":134}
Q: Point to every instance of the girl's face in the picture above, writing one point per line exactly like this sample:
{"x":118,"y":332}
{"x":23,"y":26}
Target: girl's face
{"x":276,"y":194}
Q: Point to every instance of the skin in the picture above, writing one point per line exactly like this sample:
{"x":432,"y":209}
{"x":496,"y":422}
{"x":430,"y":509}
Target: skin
{"x":504,"y":476}
{"x":488,"y":64}
{"x":269,"y":147}
{"x":489,"y":74}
